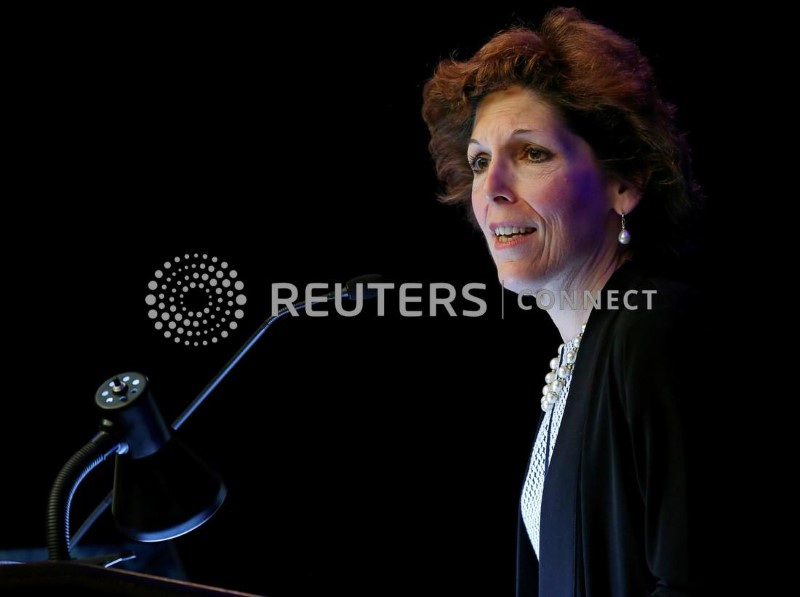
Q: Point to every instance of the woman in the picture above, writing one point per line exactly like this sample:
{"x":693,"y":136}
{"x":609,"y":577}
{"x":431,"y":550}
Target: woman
{"x":581,"y":185}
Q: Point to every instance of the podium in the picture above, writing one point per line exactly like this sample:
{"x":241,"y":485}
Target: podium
{"x":87,"y":580}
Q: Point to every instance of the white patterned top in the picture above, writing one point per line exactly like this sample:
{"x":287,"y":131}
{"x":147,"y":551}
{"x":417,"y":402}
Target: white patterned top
{"x":533,"y":488}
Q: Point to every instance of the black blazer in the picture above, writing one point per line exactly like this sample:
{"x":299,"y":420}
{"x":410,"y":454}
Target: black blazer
{"x":625,"y":499}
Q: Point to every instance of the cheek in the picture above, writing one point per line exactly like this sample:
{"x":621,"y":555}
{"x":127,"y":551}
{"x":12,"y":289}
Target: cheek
{"x":479,"y":208}
{"x":563,"y":198}
{"x":548,"y":198}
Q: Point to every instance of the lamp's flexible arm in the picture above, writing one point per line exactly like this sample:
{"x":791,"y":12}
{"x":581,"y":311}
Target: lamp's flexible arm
{"x":72,"y":473}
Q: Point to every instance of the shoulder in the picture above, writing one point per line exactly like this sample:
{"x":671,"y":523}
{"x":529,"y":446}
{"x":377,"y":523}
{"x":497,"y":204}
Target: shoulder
{"x":656,"y":335}
{"x":654,"y":348}
{"x":650,"y":306}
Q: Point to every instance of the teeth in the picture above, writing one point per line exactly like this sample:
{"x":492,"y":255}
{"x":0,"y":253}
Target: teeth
{"x":509,"y":230}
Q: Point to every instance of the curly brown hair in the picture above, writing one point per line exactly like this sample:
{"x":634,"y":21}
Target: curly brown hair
{"x":603,"y":87}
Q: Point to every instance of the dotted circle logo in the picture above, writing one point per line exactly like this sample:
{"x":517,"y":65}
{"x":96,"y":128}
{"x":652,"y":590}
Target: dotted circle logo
{"x":195,"y":299}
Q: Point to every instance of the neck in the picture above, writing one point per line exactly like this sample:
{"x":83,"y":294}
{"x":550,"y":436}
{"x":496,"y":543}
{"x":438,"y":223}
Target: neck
{"x":569,"y":319}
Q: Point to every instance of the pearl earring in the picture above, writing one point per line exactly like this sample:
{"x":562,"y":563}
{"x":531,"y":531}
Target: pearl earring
{"x":624,"y":236}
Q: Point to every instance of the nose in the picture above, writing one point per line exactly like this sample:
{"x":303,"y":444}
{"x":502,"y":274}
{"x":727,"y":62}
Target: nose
{"x":498,"y":184}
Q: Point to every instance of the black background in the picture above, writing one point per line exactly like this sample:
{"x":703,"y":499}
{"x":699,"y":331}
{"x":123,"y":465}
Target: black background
{"x":365,"y":455}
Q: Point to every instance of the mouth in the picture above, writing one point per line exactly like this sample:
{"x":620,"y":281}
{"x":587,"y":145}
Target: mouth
{"x":510,"y":234}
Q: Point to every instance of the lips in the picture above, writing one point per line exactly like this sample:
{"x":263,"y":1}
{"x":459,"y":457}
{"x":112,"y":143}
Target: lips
{"x":511,"y":233}
{"x":507,"y":232}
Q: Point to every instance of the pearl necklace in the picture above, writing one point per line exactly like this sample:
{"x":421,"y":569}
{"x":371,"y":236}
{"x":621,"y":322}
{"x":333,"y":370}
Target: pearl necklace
{"x":557,"y":381}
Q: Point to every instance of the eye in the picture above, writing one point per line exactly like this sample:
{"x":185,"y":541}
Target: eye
{"x":537,"y":154}
{"x":478,"y":163}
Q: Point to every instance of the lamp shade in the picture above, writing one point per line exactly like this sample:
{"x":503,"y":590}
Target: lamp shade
{"x":164,"y":495}
{"x":161,"y":489}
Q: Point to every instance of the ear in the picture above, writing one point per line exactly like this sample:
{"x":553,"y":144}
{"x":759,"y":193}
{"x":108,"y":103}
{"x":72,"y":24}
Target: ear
{"x":624,"y":195}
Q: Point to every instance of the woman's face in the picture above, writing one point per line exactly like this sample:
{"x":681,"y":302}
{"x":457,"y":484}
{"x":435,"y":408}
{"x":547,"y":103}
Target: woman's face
{"x":539,"y":195}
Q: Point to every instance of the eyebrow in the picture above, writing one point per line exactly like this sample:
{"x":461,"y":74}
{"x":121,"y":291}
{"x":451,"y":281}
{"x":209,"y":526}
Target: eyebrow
{"x":516,"y":133}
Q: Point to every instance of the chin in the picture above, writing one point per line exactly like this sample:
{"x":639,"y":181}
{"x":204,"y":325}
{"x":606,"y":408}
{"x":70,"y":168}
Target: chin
{"x":516,"y":278}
